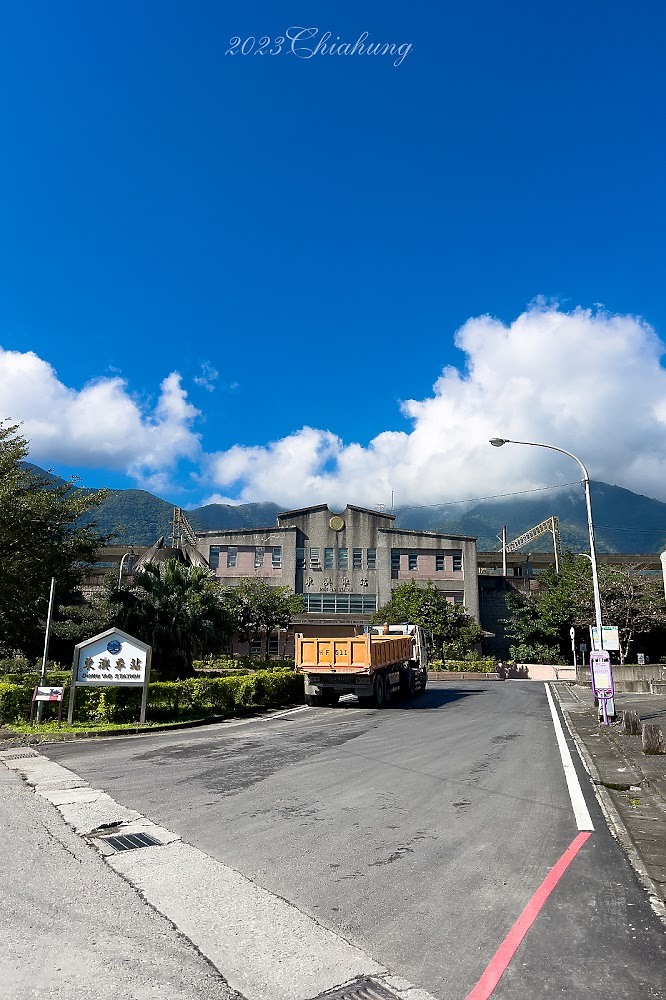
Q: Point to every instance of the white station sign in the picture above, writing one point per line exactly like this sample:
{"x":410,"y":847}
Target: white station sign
{"x":111,"y":659}
{"x":115,"y":659}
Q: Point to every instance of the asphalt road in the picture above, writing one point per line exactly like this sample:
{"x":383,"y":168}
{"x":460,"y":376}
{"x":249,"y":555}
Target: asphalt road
{"x":418,"y":833}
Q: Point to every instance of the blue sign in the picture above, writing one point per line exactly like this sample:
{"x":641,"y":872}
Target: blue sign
{"x":114,"y":646}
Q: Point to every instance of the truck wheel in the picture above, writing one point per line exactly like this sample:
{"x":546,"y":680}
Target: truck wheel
{"x":378,"y":691}
{"x":407,"y":681}
{"x":424,"y":679}
{"x":388,"y":694}
{"x":314,"y":700}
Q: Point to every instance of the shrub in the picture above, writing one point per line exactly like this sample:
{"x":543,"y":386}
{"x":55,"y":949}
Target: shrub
{"x":15,"y":665}
{"x":196,"y":697}
{"x":484,"y":665}
{"x":535,"y":653}
{"x":225,"y":665}
{"x":15,"y":702}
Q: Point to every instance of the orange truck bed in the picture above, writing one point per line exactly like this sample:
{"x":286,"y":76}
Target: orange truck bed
{"x":352,"y":654}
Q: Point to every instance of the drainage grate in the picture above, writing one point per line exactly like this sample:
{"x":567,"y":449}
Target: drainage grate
{"x":365,"y":989}
{"x":19,"y":756}
{"x":131,"y":841}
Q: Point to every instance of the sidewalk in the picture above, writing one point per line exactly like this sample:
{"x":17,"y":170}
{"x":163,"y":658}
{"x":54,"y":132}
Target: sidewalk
{"x":632,"y":782}
{"x":71,"y":929}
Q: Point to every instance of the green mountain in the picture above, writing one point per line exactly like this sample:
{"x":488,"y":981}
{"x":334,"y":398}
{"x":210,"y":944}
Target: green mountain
{"x":216,"y":516}
{"x":624,"y":521}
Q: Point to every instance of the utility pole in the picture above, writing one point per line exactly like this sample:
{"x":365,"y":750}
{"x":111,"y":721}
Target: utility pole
{"x":46,"y":646}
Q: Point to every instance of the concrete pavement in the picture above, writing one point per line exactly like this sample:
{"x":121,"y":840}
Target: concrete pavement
{"x":71,"y":929}
{"x":631,"y":784}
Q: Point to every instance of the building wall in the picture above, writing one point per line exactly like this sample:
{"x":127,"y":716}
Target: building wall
{"x":215,"y":545}
{"x":342,"y":563}
{"x":459,"y":585}
{"x":337,"y":558}
{"x":493,"y":609}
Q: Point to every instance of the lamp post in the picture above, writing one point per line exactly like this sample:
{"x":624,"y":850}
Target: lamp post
{"x":122,"y":562}
{"x":497,"y":443}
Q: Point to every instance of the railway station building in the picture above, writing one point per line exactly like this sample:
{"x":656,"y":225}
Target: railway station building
{"x":345,"y":565}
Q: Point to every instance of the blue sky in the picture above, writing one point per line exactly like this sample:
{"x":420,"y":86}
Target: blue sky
{"x":299,"y":239}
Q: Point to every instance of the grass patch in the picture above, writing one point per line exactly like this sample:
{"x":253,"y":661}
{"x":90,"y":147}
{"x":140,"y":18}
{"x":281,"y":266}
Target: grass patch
{"x":52,"y":728}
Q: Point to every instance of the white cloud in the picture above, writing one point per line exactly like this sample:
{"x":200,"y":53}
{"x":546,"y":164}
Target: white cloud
{"x":208,"y":376}
{"x":100,"y":425}
{"x":583,"y":380}
{"x":215,"y":498}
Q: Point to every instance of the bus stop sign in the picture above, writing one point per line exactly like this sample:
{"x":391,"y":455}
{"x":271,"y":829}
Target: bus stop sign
{"x":602,"y":683}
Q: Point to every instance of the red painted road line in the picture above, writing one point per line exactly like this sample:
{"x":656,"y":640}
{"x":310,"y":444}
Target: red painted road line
{"x":500,"y":960}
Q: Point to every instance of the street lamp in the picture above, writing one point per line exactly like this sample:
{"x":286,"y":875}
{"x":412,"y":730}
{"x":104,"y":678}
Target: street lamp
{"x":122,"y":562}
{"x":497,"y":443}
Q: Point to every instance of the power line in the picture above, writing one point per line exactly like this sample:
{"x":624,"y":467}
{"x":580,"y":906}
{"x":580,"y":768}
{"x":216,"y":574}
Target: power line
{"x":644,"y":531}
{"x":495,"y":496}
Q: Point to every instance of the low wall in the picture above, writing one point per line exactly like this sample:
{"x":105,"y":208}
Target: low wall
{"x":628,"y":677}
{"x":547,"y":672}
{"x":461,"y":675}
{"x":517,"y":671}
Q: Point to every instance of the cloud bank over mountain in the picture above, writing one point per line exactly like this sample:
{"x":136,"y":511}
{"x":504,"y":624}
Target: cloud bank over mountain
{"x":101,"y":425}
{"x":584,"y":380}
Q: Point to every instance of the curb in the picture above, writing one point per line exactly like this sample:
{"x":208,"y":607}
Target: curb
{"x":613,"y":819}
{"x":462,"y":675}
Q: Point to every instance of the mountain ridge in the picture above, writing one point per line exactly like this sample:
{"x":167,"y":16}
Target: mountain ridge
{"x":625,"y":522}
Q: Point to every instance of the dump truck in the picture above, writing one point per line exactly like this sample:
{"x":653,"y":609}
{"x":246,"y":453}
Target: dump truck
{"x":381,"y":663}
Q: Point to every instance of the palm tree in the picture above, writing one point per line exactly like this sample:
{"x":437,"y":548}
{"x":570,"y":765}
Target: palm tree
{"x":177,"y":609}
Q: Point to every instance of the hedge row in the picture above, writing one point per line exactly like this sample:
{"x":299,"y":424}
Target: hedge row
{"x":484,"y":665}
{"x":223,"y":665}
{"x":168,"y":701}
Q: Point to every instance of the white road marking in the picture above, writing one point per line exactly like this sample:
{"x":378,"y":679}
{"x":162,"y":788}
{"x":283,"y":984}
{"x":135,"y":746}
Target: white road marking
{"x":581,"y":812}
{"x":280,"y":715}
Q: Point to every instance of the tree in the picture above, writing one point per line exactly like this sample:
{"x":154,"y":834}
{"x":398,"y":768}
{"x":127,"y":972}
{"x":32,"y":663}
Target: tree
{"x":632,"y":601}
{"x":451,"y":630}
{"x":255,"y":608}
{"x":39,"y":538}
{"x":85,"y":616}
{"x":177,"y":609}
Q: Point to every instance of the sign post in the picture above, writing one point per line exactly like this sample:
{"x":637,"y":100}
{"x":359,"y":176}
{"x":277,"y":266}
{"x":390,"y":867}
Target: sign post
{"x":572,"y":636}
{"x":42,"y":694}
{"x":111,"y":659}
{"x":602,"y":684}
{"x":611,"y":637}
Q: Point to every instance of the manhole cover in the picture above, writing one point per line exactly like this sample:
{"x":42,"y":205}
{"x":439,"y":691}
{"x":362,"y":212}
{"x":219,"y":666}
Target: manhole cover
{"x":19,"y":756}
{"x":365,"y":989}
{"x":131,"y":841}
